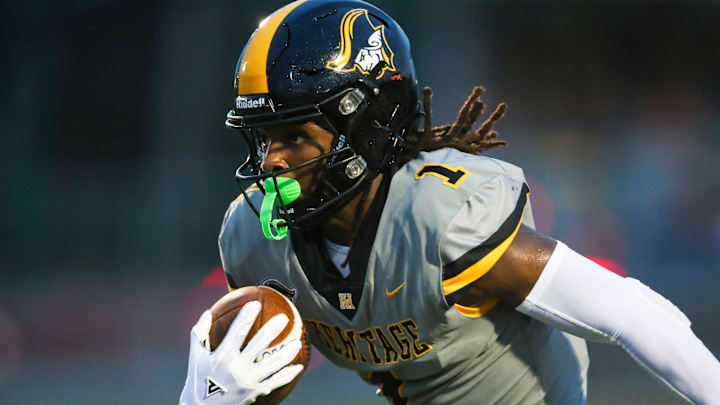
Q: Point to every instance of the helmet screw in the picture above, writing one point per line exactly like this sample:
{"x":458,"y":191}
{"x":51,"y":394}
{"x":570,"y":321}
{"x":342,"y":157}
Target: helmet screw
{"x":351,"y":101}
{"x":355,"y":167}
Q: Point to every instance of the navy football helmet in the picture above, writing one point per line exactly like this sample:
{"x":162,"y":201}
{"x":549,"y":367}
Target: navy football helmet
{"x":345,"y":65}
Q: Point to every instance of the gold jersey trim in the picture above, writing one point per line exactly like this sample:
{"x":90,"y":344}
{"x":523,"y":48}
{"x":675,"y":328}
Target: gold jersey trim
{"x":476,"y":312}
{"x":482,"y":266}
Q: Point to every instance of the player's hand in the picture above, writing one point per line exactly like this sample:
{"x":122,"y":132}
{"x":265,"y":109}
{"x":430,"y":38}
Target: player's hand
{"x":231,"y":376}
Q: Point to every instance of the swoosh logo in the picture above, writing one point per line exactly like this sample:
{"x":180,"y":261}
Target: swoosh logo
{"x":390,"y":294}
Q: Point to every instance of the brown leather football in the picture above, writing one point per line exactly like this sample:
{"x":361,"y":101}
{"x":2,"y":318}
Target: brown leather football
{"x":272,"y":302}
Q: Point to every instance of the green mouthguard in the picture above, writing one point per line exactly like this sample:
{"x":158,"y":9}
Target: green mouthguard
{"x":289,"y":192}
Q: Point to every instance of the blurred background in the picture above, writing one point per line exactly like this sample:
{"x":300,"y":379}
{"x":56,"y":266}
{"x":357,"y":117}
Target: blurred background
{"x":116,"y":170}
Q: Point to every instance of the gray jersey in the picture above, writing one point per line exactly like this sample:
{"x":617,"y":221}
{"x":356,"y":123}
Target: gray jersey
{"x":437,"y":225}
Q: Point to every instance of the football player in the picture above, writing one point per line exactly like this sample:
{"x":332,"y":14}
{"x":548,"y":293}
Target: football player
{"x":412,"y":258}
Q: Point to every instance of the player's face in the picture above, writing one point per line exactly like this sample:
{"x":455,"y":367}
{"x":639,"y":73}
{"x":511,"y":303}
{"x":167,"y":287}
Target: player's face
{"x":291,"y":145}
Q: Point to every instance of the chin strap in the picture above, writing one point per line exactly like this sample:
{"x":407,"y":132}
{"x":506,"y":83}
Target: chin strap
{"x":289,"y":190}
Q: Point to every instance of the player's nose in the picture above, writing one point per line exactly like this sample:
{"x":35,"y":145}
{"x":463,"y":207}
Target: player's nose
{"x":275,"y":158}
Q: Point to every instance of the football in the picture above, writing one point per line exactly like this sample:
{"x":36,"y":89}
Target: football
{"x":272,"y":302}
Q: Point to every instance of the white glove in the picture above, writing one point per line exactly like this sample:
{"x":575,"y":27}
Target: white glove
{"x":230,"y":376}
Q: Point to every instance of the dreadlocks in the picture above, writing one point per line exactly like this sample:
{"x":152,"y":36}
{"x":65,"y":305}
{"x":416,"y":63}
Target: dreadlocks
{"x":456,"y":135}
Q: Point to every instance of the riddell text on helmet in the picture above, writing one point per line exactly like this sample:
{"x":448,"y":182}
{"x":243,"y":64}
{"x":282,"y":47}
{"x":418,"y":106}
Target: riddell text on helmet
{"x":248,"y":102}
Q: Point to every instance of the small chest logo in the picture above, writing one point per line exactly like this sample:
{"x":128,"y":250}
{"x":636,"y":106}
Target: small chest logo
{"x":345,"y":300}
{"x":390,"y":294}
{"x":362,"y":58}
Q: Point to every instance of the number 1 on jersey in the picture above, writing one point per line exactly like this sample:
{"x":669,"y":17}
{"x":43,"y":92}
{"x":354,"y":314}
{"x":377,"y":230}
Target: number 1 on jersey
{"x":452,"y":176}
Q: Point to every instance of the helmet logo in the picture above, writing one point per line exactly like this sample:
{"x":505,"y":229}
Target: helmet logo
{"x":365,"y":59}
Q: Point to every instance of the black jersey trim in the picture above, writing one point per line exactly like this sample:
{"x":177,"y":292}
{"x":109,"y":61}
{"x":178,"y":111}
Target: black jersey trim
{"x":232,"y":285}
{"x":459,"y":274}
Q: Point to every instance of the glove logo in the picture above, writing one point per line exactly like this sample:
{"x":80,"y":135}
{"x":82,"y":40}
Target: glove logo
{"x":212,"y":388}
{"x":366,"y":58}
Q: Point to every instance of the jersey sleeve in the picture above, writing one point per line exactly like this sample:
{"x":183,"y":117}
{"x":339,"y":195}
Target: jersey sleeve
{"x":481,"y":232}
{"x":238,"y":236}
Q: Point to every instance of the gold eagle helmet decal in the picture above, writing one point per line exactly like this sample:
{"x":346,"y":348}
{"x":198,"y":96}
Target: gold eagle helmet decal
{"x":367,"y":57}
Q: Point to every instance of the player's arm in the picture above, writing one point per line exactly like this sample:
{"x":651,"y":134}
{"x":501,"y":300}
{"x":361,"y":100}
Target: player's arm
{"x":548,"y":281}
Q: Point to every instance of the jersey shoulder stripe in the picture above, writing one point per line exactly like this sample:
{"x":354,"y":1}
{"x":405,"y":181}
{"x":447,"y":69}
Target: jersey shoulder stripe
{"x":478,"y":261}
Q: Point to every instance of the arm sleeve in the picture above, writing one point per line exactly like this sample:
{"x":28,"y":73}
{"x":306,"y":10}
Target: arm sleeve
{"x":582,"y":298}
{"x":480,"y":233}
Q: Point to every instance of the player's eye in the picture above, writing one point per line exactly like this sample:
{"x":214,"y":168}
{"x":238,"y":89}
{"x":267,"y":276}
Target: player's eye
{"x":297,"y":138}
